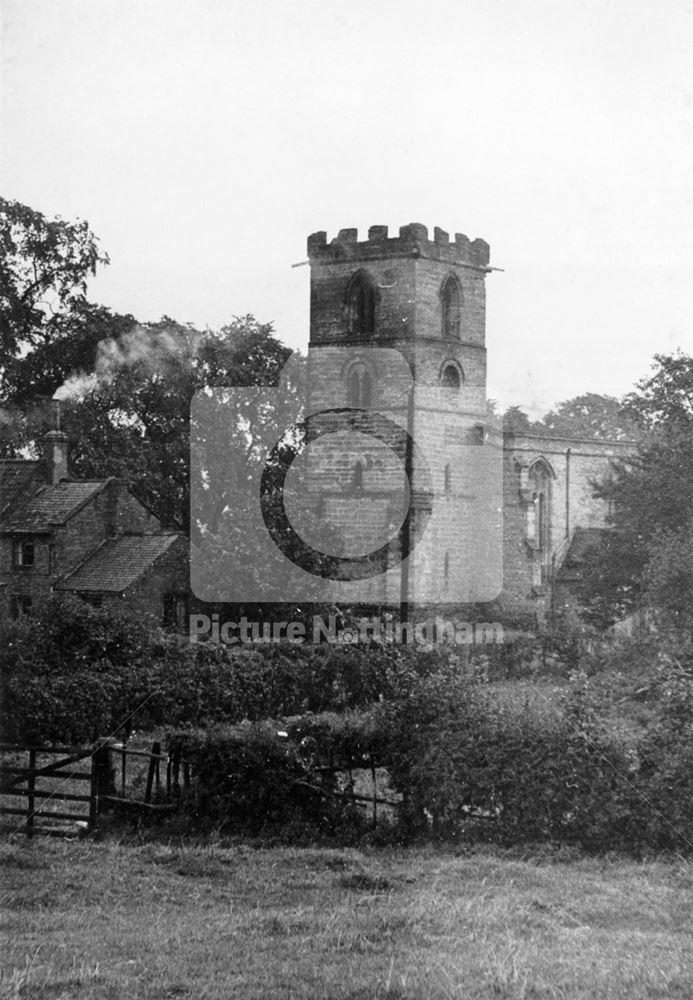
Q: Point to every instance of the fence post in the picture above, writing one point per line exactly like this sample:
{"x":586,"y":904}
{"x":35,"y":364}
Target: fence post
{"x":30,"y":793}
{"x":153,"y":765}
{"x":94,"y":787}
{"x":175,"y":775}
{"x":375,"y":794}
{"x":102,"y":777}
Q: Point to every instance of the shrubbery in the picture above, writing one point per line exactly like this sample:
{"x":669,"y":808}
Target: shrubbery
{"x":248,"y":779}
{"x":74,"y":673}
{"x":465,"y":763}
{"x":468,"y":766}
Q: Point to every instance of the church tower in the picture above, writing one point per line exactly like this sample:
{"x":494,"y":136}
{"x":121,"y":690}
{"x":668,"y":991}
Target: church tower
{"x":424,"y":299}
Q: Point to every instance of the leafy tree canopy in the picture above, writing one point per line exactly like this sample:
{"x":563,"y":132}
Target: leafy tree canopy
{"x":44,"y":266}
{"x":590,"y":415}
{"x":125,"y":386}
{"x":651,"y":496}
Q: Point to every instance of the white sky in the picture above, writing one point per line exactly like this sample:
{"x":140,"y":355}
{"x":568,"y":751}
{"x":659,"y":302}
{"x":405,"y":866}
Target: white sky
{"x":203,"y":140}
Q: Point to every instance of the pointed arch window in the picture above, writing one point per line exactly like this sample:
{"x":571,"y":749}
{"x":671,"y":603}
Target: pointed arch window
{"x":359,"y":387}
{"x":360,"y":305}
{"x":539,"y":511}
{"x":451,"y":303}
{"x":450,"y":377}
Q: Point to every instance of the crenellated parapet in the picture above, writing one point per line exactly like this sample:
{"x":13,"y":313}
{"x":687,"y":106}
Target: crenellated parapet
{"x":412,"y":241}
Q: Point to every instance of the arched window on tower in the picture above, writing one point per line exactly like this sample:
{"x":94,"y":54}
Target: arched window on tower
{"x":450,"y":377}
{"x":451,"y":304}
{"x":359,"y":387}
{"x":360,"y":305}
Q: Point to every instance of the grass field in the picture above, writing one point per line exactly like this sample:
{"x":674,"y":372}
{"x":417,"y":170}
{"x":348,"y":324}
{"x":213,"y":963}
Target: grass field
{"x":104,"y":919}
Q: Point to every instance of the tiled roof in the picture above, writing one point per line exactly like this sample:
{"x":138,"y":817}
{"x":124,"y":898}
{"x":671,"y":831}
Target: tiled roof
{"x":118,"y":563}
{"x":50,"y":505}
{"x":17,"y":476}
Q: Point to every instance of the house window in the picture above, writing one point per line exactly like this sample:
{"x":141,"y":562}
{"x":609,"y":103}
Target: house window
{"x":450,"y":377}
{"x":52,"y":558}
{"x":24,"y":552}
{"x":451,"y":306}
{"x":359,"y":387}
{"x":175,"y":608}
{"x":20,"y":604}
{"x":90,"y":597}
{"x":360,"y":305}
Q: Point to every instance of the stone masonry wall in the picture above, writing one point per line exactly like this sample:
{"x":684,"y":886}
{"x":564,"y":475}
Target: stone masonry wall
{"x":574,"y":463}
{"x":453,"y":555}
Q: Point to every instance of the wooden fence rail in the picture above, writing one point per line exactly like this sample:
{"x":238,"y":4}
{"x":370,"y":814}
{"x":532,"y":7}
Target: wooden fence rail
{"x":21,"y":781}
{"x":24,"y":784}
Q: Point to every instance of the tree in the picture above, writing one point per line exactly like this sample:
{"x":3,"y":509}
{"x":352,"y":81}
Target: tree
{"x":48,"y":329}
{"x":589,"y":416}
{"x":516,"y":421}
{"x":651,"y":495}
{"x":130,"y":417}
{"x":44,"y":266}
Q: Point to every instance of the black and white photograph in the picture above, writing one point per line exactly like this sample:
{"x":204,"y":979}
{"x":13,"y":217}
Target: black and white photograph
{"x":346,"y":500}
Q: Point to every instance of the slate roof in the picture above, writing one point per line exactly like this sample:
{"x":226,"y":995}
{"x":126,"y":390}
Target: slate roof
{"x":17,"y":476}
{"x":583,"y":540}
{"x":118,"y":563}
{"x":50,"y":505}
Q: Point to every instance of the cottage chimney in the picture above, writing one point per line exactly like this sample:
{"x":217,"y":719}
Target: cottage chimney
{"x":55,"y":450}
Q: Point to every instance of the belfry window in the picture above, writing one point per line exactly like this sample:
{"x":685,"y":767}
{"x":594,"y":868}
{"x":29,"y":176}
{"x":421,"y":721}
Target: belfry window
{"x":360,"y":305}
{"x":451,"y":303}
{"x":450,"y":377}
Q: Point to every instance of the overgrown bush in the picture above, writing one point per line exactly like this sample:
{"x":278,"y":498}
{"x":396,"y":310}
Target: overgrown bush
{"x":249,"y":779}
{"x":73,"y":672}
{"x":467,"y":766}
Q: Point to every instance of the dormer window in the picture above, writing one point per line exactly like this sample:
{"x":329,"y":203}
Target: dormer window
{"x":360,"y":305}
{"x":24,"y":551}
{"x":451,"y":305}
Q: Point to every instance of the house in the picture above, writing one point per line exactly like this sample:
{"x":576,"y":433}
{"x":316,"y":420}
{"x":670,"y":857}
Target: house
{"x":93,"y":538}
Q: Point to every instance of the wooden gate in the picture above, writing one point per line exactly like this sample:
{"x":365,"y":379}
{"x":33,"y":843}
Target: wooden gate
{"x":48,"y":776}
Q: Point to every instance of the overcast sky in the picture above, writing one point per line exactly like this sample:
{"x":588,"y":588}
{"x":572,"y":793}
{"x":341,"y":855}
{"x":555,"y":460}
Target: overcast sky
{"x":203,"y":140}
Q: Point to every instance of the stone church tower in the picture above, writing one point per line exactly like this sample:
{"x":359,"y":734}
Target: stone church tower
{"x":397,"y":327}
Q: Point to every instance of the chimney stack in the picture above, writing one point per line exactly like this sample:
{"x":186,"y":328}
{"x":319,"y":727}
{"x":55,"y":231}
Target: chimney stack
{"x":55,"y":450}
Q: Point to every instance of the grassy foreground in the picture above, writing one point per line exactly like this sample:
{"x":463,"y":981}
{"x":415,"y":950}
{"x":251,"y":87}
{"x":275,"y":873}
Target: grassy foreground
{"x":104,"y":920}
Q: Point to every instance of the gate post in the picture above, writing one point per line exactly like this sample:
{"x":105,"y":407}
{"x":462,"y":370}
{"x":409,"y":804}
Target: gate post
{"x":31,"y":785}
{"x":102,"y":778}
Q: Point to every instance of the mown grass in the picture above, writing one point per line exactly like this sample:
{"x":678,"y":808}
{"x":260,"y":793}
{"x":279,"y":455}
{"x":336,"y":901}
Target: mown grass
{"x":104,"y":919}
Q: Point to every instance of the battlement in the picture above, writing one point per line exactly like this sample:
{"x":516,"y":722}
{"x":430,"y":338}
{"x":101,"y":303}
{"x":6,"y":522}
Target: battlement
{"x":412,"y":241}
